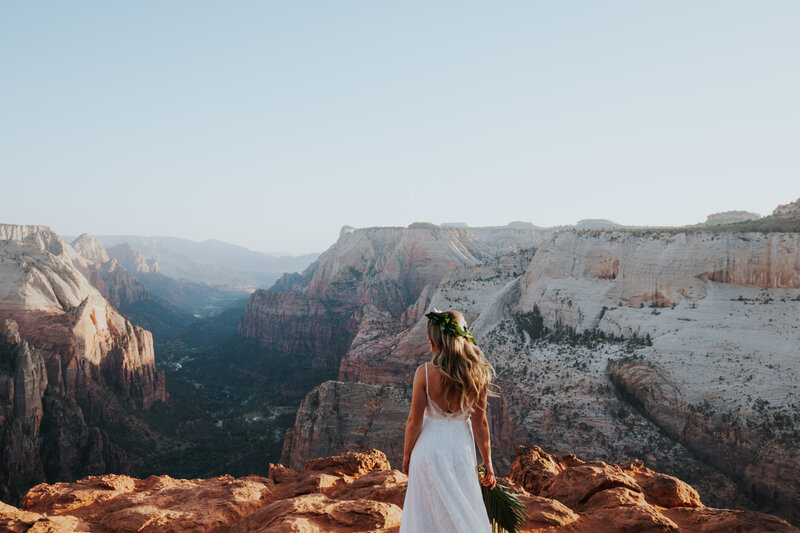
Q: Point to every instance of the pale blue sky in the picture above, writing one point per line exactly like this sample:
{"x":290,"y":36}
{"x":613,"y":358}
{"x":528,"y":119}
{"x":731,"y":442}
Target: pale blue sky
{"x":273,"y":124}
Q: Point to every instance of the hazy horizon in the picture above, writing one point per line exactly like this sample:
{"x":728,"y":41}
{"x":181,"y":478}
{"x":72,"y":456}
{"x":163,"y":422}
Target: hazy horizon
{"x":271,"y":126}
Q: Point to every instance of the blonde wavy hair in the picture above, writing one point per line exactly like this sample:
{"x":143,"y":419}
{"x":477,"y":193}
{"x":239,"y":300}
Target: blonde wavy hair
{"x":465,"y":371}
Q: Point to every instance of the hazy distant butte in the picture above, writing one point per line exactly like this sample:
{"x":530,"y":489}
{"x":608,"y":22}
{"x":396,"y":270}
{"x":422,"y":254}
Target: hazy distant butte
{"x":211,"y":261}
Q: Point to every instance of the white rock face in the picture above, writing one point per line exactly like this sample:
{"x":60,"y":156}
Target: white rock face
{"x":39,"y":236}
{"x":722,"y":314}
{"x":713,"y":304}
{"x":413,"y":257}
{"x":575,"y":275}
{"x":32,"y":278}
{"x":59,"y":311}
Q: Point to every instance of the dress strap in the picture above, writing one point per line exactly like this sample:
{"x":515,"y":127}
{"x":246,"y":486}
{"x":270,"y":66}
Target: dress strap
{"x":426,"y":378}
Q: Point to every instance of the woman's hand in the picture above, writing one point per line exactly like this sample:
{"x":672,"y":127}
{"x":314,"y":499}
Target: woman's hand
{"x":406,"y":460}
{"x":489,"y":480}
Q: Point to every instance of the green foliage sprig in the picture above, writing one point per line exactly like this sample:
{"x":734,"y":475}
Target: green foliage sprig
{"x":447,"y":323}
{"x":506,"y":510}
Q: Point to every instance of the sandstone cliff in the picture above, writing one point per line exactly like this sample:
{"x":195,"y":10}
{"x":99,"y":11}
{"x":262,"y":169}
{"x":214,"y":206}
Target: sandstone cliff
{"x":59,"y":311}
{"x":359,"y":311}
{"x":113,"y":281}
{"x":360,"y":492}
{"x":336,"y":417}
{"x":632,"y":269}
{"x":43,"y":436}
{"x":316,"y":316}
{"x":758,"y":449}
{"x":91,"y":361}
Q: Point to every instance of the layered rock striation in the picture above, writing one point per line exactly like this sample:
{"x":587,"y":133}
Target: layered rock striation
{"x":632,"y":269}
{"x":361,"y":492}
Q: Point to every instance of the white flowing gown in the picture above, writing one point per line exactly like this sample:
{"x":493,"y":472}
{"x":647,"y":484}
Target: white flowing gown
{"x":444,"y":494}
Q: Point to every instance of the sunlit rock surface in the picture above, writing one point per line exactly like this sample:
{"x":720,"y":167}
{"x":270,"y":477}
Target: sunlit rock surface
{"x":336,"y":417}
{"x":719,"y":372}
{"x":360,"y":492}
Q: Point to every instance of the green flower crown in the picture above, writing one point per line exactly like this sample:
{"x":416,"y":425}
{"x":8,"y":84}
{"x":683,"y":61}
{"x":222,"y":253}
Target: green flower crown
{"x":447,"y":323}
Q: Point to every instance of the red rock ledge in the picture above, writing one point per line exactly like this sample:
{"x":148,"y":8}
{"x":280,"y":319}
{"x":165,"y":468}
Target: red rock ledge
{"x":360,"y":492}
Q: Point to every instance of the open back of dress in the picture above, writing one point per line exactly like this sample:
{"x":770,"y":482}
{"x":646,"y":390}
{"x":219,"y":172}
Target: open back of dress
{"x":443,"y":493}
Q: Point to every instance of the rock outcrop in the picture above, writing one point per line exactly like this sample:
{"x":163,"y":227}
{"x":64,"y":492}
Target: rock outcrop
{"x":568,"y":494}
{"x":336,"y":417}
{"x":791,"y":209}
{"x":729,"y":217}
{"x":760,"y":453}
{"x":360,"y":492}
{"x":43,"y":435}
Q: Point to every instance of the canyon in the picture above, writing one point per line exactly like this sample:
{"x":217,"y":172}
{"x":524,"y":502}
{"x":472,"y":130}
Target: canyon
{"x":676,"y":346}
{"x":653,"y":349}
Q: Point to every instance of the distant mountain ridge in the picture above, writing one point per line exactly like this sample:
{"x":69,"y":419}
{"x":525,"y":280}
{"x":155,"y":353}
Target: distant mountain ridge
{"x":212,"y":261}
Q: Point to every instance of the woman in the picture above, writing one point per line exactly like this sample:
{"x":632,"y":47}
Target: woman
{"x":448,"y":407}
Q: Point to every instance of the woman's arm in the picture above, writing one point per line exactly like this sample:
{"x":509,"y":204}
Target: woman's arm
{"x":480,"y":428}
{"x":415,"y":415}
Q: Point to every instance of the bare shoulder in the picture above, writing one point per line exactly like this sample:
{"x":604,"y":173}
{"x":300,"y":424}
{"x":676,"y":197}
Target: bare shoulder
{"x":419,"y":374}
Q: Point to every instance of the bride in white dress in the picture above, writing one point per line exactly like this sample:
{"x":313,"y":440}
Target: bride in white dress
{"x":448,"y":406}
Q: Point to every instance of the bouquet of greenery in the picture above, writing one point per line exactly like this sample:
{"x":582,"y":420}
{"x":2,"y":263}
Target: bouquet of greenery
{"x":505,"y":509}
